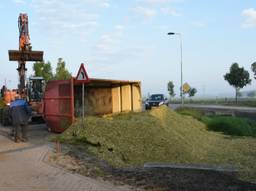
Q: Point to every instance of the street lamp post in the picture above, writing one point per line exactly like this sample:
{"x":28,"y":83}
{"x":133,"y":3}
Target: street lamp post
{"x":181,"y":63}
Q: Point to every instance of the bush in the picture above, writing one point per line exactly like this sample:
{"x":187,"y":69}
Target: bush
{"x":1,"y":103}
{"x":231,"y":125}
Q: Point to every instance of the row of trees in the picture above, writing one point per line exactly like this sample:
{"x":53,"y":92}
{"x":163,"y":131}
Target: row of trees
{"x":191,"y":92}
{"x":44,"y":69}
{"x":238,"y":77}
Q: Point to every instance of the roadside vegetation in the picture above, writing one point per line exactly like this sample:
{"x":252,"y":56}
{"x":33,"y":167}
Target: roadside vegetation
{"x":231,"y":125}
{"x":248,"y":102}
{"x":161,"y":135}
{"x":190,"y":112}
{"x":228,"y":125}
{"x":1,"y":103}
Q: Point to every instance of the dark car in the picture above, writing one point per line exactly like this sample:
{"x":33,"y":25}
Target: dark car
{"x":155,"y":100}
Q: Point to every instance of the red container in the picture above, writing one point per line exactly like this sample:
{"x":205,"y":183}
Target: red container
{"x":58,"y":105}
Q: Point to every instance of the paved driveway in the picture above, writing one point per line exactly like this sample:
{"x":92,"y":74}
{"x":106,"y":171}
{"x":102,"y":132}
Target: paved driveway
{"x":23,"y":168}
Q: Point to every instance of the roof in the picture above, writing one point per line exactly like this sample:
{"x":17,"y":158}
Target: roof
{"x":110,"y":82}
{"x":114,"y":81}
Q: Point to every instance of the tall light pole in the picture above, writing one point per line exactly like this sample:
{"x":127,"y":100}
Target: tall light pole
{"x":181,"y":63}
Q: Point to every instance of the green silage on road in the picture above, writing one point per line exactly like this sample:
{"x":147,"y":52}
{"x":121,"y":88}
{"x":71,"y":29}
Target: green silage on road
{"x":161,"y":135}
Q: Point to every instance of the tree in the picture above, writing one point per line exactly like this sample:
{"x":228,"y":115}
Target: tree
{"x":171,"y":89}
{"x":254,"y":69}
{"x":192,"y":92}
{"x":42,"y":69}
{"x":61,"y":72}
{"x":237,"y":77}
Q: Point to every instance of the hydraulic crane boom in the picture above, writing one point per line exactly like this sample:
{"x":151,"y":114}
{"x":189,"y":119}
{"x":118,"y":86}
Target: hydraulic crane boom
{"x":25,"y":52}
{"x":24,"y":45}
{"x":34,"y":89}
{"x":24,"y":39}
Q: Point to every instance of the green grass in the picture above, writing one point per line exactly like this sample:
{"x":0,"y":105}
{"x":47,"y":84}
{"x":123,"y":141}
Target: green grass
{"x":226,"y":124}
{"x":248,"y":102}
{"x":190,"y":112}
{"x":231,"y":125}
{"x":161,"y":135}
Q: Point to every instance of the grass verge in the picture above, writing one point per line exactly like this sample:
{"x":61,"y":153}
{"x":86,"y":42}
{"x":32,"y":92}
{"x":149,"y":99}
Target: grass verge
{"x":190,"y":112}
{"x":228,"y":125}
{"x":231,"y":125}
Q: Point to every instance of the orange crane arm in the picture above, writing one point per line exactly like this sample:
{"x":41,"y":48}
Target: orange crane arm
{"x":25,"y":52}
{"x":24,"y":39}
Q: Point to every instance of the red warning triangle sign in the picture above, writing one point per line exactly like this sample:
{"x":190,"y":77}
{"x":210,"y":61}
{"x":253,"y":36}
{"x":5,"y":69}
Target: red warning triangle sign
{"x":82,"y":76}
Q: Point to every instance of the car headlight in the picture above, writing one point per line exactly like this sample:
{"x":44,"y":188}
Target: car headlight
{"x":161,"y":103}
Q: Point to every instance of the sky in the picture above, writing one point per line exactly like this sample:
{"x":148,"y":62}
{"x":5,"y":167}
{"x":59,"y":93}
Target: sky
{"x":127,"y":40}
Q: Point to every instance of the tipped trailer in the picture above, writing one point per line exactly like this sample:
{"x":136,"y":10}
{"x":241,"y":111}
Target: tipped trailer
{"x":62,"y":101}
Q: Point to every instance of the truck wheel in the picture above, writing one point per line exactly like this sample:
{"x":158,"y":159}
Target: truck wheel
{"x":5,"y":116}
{"x":1,"y":115}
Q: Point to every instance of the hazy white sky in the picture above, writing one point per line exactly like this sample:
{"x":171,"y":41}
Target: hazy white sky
{"x":128,"y":39}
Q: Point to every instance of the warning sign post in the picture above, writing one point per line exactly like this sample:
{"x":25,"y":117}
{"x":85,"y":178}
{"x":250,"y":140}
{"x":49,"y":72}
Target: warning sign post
{"x":82,"y":78}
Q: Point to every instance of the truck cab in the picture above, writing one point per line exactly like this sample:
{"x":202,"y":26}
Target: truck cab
{"x":35,"y":91}
{"x":36,"y":86}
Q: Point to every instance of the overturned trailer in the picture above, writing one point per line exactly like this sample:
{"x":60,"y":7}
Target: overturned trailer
{"x":63,"y":100}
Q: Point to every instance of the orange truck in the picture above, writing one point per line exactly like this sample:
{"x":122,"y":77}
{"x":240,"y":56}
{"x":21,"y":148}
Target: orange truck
{"x":33,"y":89}
{"x":9,"y":96}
